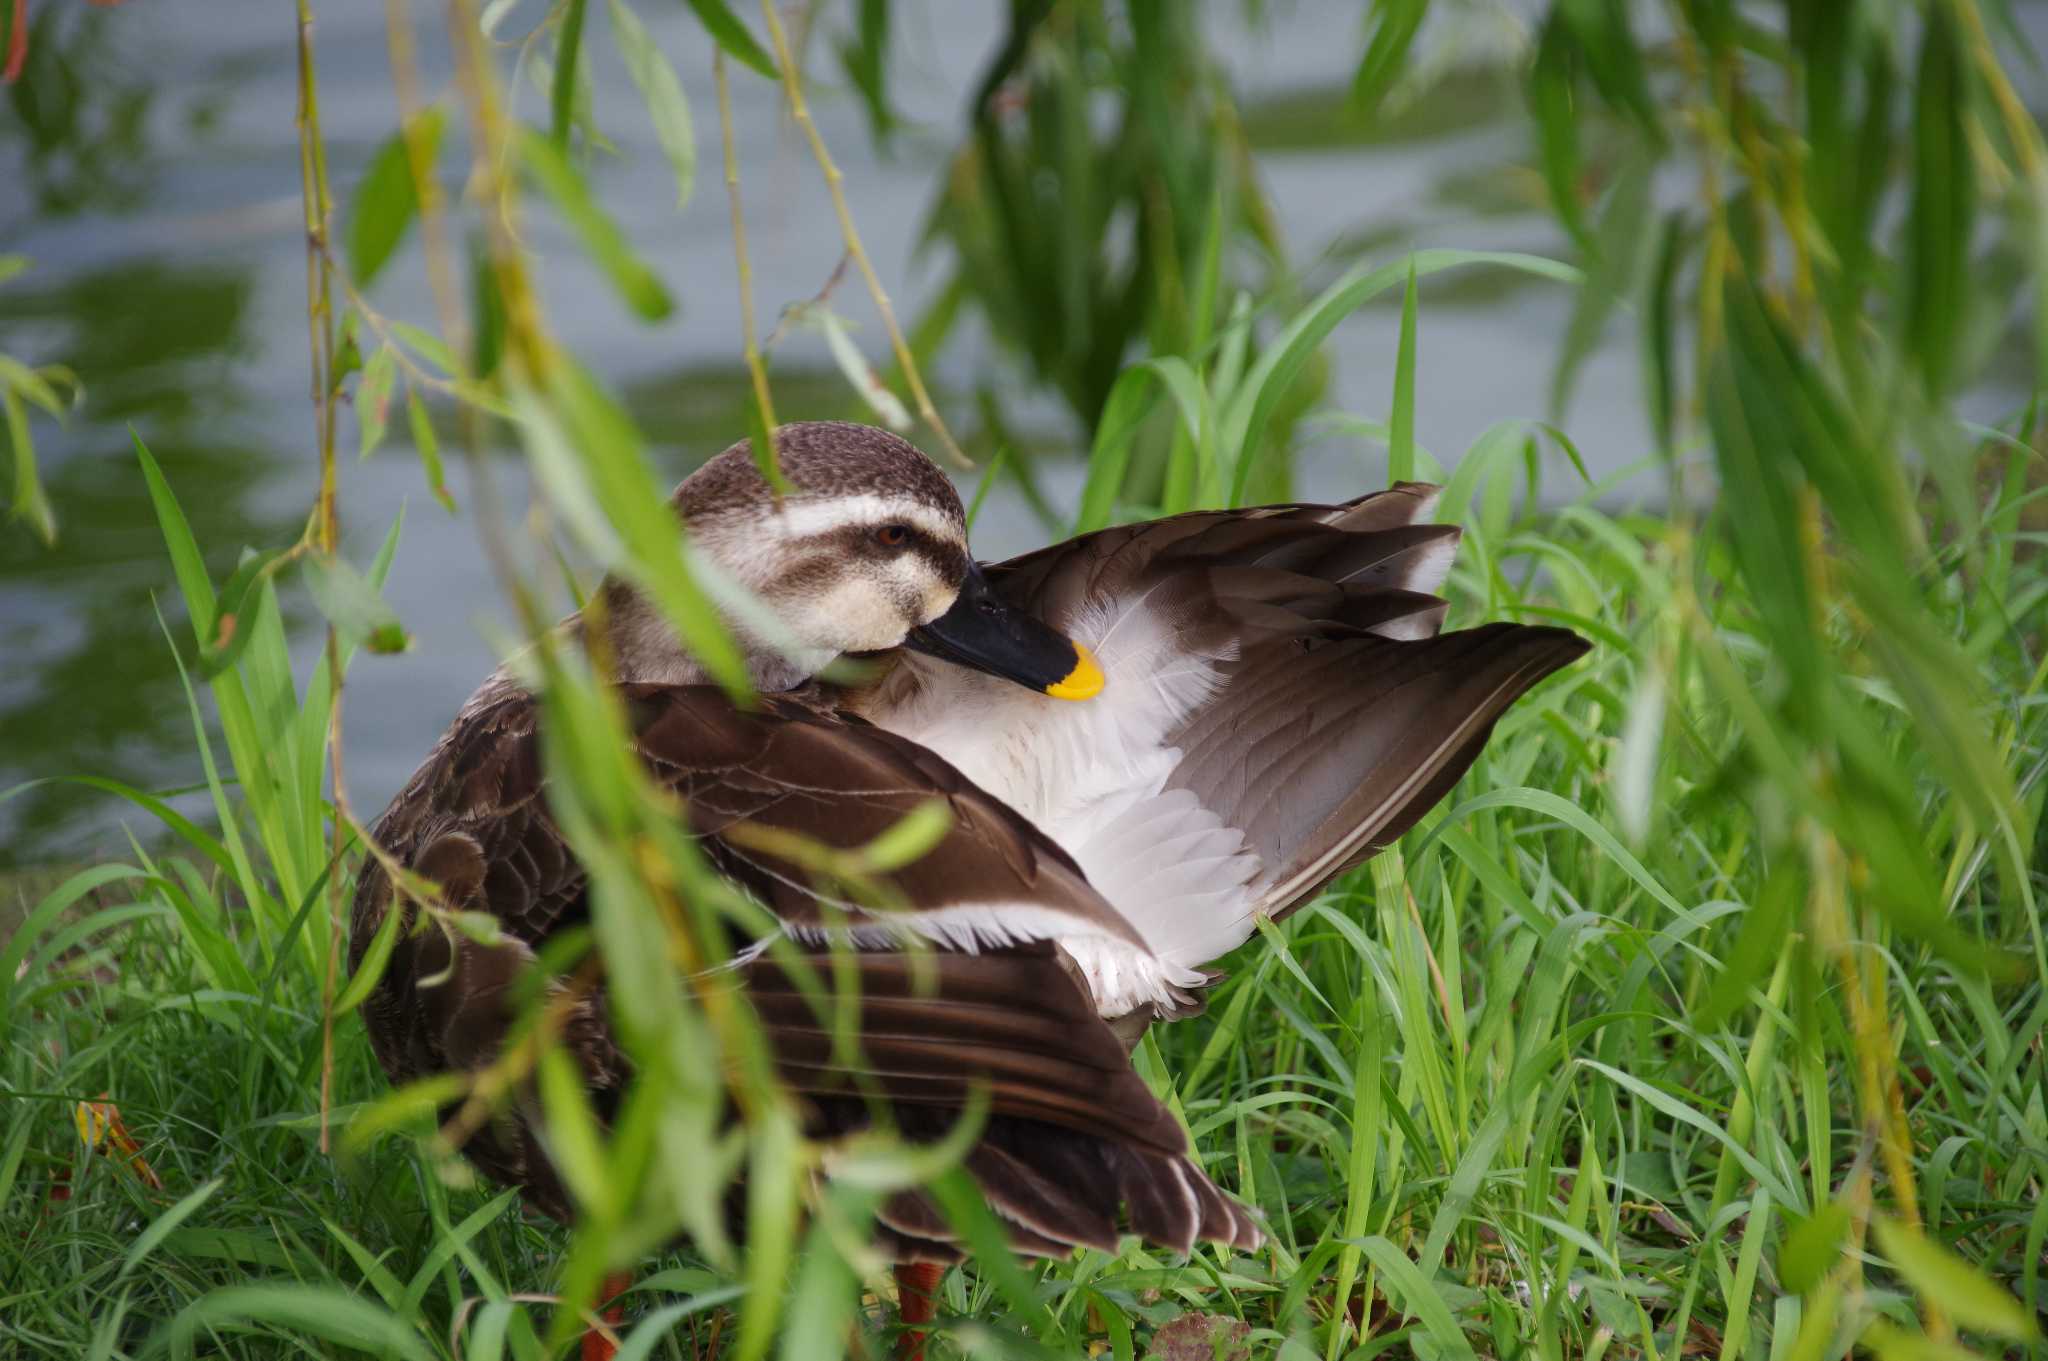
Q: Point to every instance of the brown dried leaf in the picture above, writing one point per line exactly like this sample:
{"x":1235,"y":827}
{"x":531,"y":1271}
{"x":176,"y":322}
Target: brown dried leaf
{"x":1202,"y":1337}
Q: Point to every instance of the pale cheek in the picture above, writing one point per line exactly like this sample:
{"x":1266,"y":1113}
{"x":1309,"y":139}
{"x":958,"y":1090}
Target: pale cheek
{"x":923,"y":596}
{"x":855,"y":616}
{"x":920,"y":589}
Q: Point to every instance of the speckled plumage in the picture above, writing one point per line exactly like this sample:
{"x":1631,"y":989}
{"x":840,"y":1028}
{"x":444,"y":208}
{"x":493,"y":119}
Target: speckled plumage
{"x":822,"y":461}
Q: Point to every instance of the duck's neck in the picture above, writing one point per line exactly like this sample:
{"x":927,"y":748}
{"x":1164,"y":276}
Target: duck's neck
{"x":644,"y":649}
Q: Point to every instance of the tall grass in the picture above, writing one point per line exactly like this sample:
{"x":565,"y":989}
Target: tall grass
{"x":1706,"y":1017}
{"x":1494,"y":1096}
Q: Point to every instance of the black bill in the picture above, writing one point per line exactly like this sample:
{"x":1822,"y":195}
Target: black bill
{"x":988,"y":634}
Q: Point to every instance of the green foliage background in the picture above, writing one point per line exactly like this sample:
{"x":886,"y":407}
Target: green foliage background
{"x":1705,"y":1018}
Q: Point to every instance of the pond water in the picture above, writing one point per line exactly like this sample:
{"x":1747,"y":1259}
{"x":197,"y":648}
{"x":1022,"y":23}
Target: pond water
{"x":157,"y":192}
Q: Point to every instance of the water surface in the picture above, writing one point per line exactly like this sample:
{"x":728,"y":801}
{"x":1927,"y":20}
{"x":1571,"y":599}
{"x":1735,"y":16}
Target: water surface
{"x":154,"y":181}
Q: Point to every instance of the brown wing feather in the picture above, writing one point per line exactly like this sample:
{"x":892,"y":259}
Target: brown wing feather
{"x":1072,"y":1134}
{"x":933,"y":1026}
{"x":1325,"y":753}
{"x":1060,"y":574}
{"x":840,"y":782}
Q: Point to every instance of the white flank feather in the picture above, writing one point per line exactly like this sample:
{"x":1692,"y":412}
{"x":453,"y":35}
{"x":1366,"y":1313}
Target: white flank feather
{"x":1121,"y":976}
{"x":1092,"y":776}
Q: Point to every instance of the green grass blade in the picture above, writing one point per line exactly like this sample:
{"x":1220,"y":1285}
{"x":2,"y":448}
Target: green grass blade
{"x":1401,"y":422}
{"x":165,"y":1224}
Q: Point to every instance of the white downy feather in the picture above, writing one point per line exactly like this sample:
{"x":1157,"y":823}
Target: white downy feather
{"x":1092,"y":776}
{"x":1121,"y":976}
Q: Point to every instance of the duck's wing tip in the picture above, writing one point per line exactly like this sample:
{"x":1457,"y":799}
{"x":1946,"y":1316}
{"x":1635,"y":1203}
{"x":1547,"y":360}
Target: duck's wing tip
{"x":1168,"y":1202}
{"x":1076,"y":1149}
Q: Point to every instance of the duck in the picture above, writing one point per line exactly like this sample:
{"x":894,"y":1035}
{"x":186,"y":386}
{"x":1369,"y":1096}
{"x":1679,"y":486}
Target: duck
{"x":1148,"y":740}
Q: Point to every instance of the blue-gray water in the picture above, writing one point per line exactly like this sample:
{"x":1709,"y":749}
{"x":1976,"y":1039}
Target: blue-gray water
{"x":162,"y":212}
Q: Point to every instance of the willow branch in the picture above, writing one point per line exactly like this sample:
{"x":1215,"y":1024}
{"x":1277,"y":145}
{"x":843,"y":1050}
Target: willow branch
{"x":440,"y":256}
{"x":326,"y":521}
{"x":756,"y":370}
{"x":799,"y":110}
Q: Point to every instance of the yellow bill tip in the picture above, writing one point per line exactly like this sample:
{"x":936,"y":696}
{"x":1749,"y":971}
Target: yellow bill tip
{"x":1083,"y":682}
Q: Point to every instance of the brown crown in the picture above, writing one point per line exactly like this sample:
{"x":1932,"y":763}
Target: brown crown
{"x":821,"y":460}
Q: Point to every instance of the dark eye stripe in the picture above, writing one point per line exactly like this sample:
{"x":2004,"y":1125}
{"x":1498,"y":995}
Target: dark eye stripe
{"x":946,"y":559}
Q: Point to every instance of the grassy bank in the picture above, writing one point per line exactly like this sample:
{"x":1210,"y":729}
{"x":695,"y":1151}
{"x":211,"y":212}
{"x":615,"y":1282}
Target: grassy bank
{"x":1572,"y":1074}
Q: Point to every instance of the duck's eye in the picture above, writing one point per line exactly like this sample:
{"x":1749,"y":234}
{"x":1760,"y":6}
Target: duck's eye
{"x":892,"y":536}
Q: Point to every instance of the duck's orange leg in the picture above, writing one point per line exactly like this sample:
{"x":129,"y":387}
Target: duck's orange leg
{"x":596,"y":1346}
{"x":917,"y":1291}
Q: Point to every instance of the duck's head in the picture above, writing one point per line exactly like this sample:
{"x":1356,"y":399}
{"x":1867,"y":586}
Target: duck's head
{"x":866,"y":551}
